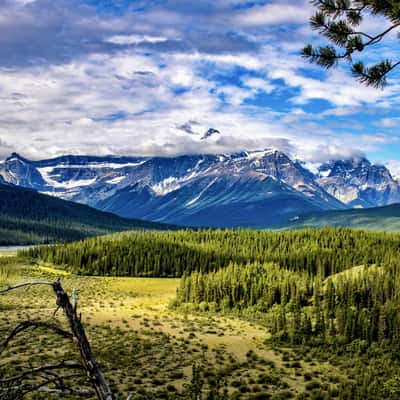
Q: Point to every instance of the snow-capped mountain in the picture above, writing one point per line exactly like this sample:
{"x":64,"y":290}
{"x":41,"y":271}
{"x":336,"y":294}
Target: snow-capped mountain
{"x":258,"y":188}
{"x":358,"y":183}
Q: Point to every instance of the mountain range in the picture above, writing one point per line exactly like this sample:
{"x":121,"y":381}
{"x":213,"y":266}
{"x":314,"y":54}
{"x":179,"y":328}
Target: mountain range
{"x":249,"y":189}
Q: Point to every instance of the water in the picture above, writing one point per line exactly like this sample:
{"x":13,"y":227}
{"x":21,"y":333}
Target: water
{"x":13,"y":248}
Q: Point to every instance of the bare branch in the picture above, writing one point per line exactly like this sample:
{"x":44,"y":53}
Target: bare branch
{"x":23,"y":326}
{"x":379,"y":37}
{"x":55,"y":313}
{"x":41,"y":369}
{"x":26,"y":284}
{"x":87,"y":393}
{"x":89,"y":362}
{"x":26,"y":388}
{"x":78,"y":334}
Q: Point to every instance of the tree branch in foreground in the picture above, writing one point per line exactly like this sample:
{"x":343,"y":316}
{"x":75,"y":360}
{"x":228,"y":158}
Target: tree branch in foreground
{"x":78,"y":334}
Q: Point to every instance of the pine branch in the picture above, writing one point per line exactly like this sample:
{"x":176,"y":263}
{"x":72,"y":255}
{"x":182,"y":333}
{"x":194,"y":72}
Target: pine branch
{"x":338,"y":7}
{"x":374,"y":76}
{"x":328,"y":22}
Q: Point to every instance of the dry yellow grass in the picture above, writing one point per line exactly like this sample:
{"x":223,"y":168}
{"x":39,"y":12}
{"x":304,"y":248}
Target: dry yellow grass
{"x":143,"y":343}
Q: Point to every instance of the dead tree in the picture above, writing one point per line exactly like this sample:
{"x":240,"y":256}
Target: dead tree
{"x":54,"y":377}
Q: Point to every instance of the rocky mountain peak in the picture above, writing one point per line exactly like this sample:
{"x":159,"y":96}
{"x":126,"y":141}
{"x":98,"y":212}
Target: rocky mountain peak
{"x":210,"y":132}
{"x":15,"y":157}
{"x":358,"y":182}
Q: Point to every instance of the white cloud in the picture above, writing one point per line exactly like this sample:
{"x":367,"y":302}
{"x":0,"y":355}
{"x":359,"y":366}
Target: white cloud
{"x":394,"y":168}
{"x":273,"y":14}
{"x":258,"y":84}
{"x":124,"y":83}
{"x":135,"y":39}
{"x":388,"y":123}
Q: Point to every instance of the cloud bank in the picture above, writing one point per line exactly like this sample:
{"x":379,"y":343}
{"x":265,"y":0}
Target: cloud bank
{"x":148,"y":77}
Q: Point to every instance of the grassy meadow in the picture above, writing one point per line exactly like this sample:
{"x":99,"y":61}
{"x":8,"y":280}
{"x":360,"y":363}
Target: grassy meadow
{"x":147,"y":348}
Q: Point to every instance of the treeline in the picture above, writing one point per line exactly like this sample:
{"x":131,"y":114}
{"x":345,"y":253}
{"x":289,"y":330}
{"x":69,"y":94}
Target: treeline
{"x":360,"y":304}
{"x":324,"y":251}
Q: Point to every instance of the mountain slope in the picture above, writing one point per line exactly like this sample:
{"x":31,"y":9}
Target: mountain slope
{"x":27,"y":217}
{"x":216,"y":201}
{"x":379,"y":218}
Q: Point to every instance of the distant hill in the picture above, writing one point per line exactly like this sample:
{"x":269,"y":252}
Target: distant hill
{"x":28,"y":217}
{"x":379,"y":218}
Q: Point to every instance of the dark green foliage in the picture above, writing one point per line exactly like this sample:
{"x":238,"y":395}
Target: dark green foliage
{"x":241,"y":287}
{"x":205,"y":386}
{"x":339,"y":21}
{"x":195,"y":386}
{"x":149,"y":253}
{"x":356,"y":307}
{"x":28,"y":217}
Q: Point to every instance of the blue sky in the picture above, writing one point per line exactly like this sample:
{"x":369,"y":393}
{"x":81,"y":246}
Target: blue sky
{"x":150,"y":77}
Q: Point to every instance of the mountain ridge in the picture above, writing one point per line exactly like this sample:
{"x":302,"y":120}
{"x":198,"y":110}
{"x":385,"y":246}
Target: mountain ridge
{"x":204,"y":189}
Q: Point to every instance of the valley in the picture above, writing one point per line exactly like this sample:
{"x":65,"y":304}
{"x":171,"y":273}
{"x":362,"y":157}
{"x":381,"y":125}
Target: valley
{"x":148,"y":349}
{"x":200,"y":200}
{"x":224,"y":314}
{"x":377,"y":218}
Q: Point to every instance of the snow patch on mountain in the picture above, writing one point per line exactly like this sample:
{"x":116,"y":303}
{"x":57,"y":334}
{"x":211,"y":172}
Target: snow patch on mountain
{"x":45,"y":172}
{"x":197,"y":198}
{"x":172,"y":183}
{"x":116,"y":180}
{"x":97,"y":165}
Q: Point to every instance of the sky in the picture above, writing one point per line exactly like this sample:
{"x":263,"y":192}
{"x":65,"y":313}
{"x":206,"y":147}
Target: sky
{"x":150,"y":77}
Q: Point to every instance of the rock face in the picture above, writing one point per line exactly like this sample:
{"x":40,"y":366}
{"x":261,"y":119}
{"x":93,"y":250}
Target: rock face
{"x":19,"y":171}
{"x":358,"y":183}
{"x":210,"y":132}
{"x":250,"y":189}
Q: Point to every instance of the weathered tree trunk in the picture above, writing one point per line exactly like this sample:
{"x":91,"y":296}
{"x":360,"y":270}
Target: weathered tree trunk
{"x":95,"y":375}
